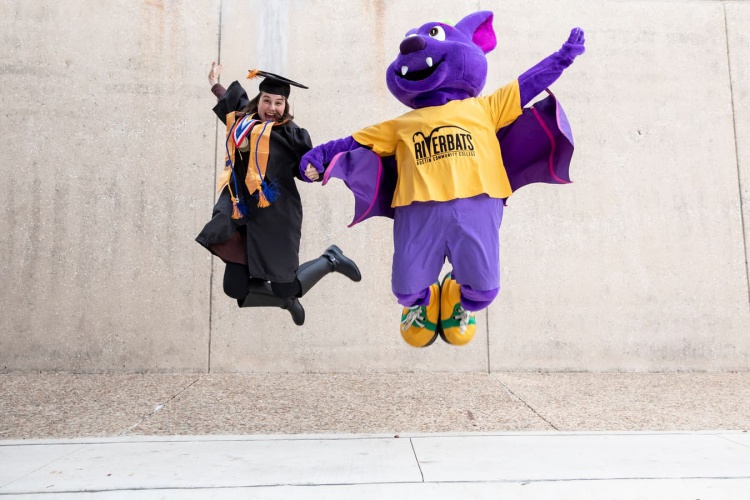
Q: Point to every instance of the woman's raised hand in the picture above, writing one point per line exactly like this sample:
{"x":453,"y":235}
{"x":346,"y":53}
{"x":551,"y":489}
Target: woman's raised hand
{"x":213,"y":75}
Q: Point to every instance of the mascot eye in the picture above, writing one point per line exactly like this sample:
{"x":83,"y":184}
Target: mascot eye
{"x":437,"y":33}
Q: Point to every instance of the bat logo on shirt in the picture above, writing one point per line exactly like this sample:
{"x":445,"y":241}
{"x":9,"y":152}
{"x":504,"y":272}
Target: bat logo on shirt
{"x":442,"y":142}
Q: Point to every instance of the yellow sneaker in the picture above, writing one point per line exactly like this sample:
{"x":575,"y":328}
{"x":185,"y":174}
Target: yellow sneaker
{"x":458,"y":325}
{"x":419,"y":323}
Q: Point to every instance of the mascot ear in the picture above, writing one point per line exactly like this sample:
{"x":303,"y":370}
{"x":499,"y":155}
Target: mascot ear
{"x":478,"y":26}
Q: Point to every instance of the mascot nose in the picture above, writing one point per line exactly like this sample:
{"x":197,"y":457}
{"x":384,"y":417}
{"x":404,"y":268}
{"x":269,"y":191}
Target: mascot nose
{"x":412,"y":44}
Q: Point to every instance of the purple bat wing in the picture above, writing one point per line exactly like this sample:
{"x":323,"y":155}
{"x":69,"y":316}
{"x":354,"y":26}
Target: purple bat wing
{"x":538,"y":146}
{"x":369,"y":177}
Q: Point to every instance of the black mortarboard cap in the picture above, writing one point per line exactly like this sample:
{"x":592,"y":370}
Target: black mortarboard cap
{"x":272,"y":83}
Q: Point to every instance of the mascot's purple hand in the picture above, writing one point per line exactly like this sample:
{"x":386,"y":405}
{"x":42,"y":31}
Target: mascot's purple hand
{"x":574,"y":47}
{"x":549,"y":69}
{"x":313,"y":157}
{"x":322,"y":155}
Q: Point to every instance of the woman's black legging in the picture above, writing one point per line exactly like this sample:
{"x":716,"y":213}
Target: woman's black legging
{"x":237,"y":283}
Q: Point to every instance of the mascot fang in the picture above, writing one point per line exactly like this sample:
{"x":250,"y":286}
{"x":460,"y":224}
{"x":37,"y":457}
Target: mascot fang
{"x":443,"y":170}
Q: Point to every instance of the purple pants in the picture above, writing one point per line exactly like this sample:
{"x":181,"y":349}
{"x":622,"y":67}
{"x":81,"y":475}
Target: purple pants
{"x":465,"y":231}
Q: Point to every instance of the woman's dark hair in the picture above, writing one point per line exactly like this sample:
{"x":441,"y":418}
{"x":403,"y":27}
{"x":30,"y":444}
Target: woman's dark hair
{"x":252,"y":108}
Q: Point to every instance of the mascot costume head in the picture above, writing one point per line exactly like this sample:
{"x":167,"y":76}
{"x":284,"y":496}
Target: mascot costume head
{"x":438,"y":63}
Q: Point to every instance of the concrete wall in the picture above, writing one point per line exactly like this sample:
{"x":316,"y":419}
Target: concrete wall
{"x":109,"y":152}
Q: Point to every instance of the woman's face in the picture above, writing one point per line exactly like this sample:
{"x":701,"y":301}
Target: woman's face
{"x":271,"y":107}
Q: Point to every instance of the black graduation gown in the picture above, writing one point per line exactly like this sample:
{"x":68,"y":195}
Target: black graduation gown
{"x":266,"y":239}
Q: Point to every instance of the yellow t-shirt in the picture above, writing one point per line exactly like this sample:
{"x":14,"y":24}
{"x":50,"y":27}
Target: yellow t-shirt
{"x":449,"y":151}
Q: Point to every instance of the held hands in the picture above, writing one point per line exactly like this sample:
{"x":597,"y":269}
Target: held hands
{"x":311,"y":164}
{"x":311,"y":173}
{"x":213,"y":75}
{"x":574,"y":46}
{"x":322,"y":155}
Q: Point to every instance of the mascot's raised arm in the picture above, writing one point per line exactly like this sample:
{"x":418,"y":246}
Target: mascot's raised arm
{"x":443,"y":170}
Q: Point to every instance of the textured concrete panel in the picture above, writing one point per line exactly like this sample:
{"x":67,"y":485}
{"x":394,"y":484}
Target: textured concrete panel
{"x":105,"y":163}
{"x":340,"y":50}
{"x":635,"y":401}
{"x":350,"y":403}
{"x":160,"y":404}
{"x":109,"y":151}
{"x":640,"y":264}
{"x":66,"y":406}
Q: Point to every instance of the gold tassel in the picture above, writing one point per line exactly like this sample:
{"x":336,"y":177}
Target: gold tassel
{"x":235,"y":209}
{"x":253,"y":74}
{"x":262,"y":201}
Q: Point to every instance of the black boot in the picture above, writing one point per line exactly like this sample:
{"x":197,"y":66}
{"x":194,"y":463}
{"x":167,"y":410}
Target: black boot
{"x":261,"y":295}
{"x":342,"y":264}
{"x":332,"y":260}
{"x":294,"y":306}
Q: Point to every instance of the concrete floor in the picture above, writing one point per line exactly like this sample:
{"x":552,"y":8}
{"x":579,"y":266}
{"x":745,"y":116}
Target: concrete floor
{"x":40,"y":406}
{"x":415,"y":435}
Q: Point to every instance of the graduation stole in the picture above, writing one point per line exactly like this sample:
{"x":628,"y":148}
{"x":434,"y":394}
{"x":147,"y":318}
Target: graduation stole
{"x":258,"y":137}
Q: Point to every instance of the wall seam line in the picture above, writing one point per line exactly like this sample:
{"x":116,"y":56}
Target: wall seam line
{"x":487,"y":329}
{"x":216,"y":152}
{"x":737,"y":152}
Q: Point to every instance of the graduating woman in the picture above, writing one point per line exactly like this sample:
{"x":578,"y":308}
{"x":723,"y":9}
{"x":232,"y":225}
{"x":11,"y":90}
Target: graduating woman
{"x":257,"y":220}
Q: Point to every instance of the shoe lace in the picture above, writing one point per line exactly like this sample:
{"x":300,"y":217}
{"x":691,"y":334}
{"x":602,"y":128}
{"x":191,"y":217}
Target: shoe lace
{"x":414,"y":316}
{"x":463,"y":318}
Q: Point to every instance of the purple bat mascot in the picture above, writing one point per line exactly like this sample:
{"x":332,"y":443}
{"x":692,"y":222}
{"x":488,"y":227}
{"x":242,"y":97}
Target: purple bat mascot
{"x":443,"y":170}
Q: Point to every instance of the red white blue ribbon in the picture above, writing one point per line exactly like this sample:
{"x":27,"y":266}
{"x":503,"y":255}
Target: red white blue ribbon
{"x":242,"y":129}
